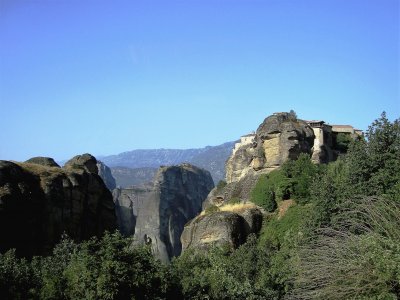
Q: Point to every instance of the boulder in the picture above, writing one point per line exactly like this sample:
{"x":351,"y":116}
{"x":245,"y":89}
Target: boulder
{"x":221,"y":228}
{"x":39,"y":202}
{"x":85,"y":161}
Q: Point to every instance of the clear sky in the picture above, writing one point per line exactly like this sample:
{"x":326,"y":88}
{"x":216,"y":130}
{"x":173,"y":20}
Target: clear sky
{"x":110,"y":76}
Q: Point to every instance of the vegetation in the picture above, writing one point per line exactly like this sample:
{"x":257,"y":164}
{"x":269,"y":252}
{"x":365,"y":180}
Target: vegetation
{"x":343,"y":141}
{"x":221,"y":184}
{"x":96,"y":269}
{"x":339,"y":239}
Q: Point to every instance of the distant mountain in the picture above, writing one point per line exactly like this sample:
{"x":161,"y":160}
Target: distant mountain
{"x":126,"y":177}
{"x":211,"y":158}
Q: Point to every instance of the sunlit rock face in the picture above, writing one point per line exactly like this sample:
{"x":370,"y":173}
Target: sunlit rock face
{"x":279,"y":137}
{"x":221,"y":228}
{"x":39,"y":201}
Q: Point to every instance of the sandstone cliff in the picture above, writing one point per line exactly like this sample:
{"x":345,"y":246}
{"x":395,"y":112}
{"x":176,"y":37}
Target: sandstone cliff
{"x":157,"y":214}
{"x":279,"y":137}
{"x":39,"y":201}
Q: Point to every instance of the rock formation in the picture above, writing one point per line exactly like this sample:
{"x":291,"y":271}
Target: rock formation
{"x":221,"y":228}
{"x":105,"y":174}
{"x":280,"y":137}
{"x":39,"y":201}
{"x":157,"y":214}
{"x":44,"y":161}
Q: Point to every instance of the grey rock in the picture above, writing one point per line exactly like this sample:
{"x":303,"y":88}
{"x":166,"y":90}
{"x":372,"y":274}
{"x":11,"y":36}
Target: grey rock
{"x":279,"y":137}
{"x":86,"y":161}
{"x":38,"y":203}
{"x":128,"y":204}
{"x":127,"y":177}
{"x":221,"y":228}
{"x":158,"y":213}
{"x":44,"y":161}
{"x":105,"y":174}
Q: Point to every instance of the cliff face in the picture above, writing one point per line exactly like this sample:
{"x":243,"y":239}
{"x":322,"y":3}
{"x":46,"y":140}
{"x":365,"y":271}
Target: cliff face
{"x":158,"y":213}
{"x":278,"y":138}
{"x":39,"y":201}
{"x":105,"y":174}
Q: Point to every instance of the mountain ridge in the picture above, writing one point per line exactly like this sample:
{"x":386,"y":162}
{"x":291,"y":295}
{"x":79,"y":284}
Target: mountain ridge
{"x":211,"y":158}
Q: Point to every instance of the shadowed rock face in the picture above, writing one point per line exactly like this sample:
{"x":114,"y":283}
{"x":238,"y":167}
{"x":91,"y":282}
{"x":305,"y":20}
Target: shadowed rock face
{"x":221,"y":229}
{"x":105,"y":174}
{"x":39,"y":202}
{"x":157,"y":214}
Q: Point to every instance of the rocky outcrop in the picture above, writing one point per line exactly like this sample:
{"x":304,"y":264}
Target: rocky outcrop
{"x":105,"y":174}
{"x":239,"y":163}
{"x":39,"y":202}
{"x":221,"y":228}
{"x":44,"y":161}
{"x":85,"y":161}
{"x":157,"y":214}
{"x":279,"y":137}
{"x":128,"y":204}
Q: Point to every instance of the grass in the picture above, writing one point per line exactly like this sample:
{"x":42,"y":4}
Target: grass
{"x":235,"y":207}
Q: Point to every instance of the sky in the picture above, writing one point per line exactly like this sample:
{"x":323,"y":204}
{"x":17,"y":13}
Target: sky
{"x":104,"y":77}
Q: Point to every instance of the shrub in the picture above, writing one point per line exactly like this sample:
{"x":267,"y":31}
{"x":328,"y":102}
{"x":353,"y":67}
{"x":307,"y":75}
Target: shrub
{"x":263,"y":194}
{"x":221,"y":184}
{"x":356,"y":258}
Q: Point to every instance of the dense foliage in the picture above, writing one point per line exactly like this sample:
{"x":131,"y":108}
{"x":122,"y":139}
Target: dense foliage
{"x":97,"y":269}
{"x":338,"y":238}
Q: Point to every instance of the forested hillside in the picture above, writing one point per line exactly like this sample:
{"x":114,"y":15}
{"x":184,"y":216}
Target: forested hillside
{"x":330,"y":231}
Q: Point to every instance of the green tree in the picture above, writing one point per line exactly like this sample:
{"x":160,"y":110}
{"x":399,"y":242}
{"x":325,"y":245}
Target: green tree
{"x":300,"y":174}
{"x":17,"y":280}
{"x":374,"y":162}
{"x":264,"y":193}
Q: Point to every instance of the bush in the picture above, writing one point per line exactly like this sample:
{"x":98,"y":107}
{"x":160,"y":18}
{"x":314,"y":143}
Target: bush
{"x":300,"y":174}
{"x":263,"y":194}
{"x":221,"y":184}
{"x":356,"y":258}
{"x":221,"y":274}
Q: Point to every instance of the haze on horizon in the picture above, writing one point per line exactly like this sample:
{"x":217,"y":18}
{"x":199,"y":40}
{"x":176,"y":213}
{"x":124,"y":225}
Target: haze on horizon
{"x":106,"y":77}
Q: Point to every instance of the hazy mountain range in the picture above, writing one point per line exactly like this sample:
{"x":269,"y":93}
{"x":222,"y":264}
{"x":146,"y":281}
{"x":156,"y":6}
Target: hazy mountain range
{"x":139,"y":166}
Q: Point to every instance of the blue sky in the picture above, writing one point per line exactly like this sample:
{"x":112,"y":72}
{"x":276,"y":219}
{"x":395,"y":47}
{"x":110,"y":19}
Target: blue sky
{"x":110,"y":76}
